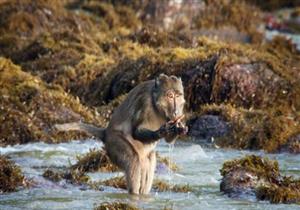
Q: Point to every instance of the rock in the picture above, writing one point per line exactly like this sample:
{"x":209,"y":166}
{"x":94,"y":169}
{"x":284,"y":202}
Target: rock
{"x":259,"y":177}
{"x":249,"y":85}
{"x":208,"y":126}
{"x":250,"y":129}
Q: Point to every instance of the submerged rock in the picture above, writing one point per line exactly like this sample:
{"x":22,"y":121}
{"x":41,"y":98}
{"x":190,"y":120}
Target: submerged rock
{"x":259,"y":177}
{"x":11,"y":176}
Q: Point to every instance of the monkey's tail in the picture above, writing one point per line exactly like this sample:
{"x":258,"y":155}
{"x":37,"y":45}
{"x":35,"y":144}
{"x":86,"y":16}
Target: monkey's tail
{"x":93,"y":130}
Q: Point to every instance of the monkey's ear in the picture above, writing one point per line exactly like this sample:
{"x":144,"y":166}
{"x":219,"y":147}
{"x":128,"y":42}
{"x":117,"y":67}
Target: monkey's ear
{"x":176,"y":79}
{"x":160,"y":79}
{"x":163,"y":77}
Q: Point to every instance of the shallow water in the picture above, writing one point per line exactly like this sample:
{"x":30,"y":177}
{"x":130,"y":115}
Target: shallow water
{"x":199,"y":167}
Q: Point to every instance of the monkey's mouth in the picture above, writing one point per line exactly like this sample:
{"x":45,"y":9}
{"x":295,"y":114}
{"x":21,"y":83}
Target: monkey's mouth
{"x":176,"y":119}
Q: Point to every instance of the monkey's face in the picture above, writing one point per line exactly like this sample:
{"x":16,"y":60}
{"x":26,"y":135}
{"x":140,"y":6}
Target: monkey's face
{"x":170,"y":96}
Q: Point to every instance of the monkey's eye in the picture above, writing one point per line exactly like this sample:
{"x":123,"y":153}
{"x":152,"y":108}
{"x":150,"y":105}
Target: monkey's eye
{"x":170,"y":94}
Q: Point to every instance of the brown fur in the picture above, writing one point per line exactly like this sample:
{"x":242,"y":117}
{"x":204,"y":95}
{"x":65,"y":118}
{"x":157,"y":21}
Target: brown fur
{"x":138,"y":123}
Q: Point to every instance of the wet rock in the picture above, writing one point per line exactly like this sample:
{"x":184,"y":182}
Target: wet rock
{"x":11,"y":176}
{"x":255,"y":176}
{"x":208,"y":126}
{"x":249,"y":85}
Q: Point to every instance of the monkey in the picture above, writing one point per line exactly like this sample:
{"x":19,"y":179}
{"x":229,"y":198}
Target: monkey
{"x":152,"y":110}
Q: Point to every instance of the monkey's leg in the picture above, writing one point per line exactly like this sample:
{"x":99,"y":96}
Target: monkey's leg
{"x":133,"y":176}
{"x":144,"y":174}
{"x":150,"y":172}
{"x":123,"y":155}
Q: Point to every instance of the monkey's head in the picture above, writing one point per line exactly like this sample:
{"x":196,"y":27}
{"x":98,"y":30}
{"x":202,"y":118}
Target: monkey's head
{"x":169,"y":96}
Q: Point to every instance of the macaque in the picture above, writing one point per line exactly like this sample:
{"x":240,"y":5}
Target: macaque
{"x":152,"y":110}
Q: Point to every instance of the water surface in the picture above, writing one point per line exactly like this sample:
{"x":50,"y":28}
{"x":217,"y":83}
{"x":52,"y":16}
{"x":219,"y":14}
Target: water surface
{"x":199,"y":167}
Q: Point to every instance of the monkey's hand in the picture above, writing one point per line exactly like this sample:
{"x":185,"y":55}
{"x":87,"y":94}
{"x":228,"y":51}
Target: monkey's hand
{"x":172,"y":129}
{"x":180,"y":128}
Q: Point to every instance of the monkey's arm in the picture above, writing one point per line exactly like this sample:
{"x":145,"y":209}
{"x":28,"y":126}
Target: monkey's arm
{"x":169,"y":131}
{"x":146,"y":135}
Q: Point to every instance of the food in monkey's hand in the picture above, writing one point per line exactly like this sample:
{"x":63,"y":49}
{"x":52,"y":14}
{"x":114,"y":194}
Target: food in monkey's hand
{"x":173,"y":129}
{"x":178,"y":127}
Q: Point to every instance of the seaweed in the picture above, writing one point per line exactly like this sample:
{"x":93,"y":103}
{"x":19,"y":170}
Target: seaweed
{"x":11,"y":176}
{"x":261,"y":176}
{"x":158,"y":185}
{"x":115,"y":206}
{"x":262,"y":167}
{"x":254,"y":129}
{"x":29,"y":108}
{"x":166,"y":161}
{"x":72,"y":176}
{"x":94,"y":160}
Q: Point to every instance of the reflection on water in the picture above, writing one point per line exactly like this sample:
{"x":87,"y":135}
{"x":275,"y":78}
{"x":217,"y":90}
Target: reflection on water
{"x":199,"y":167}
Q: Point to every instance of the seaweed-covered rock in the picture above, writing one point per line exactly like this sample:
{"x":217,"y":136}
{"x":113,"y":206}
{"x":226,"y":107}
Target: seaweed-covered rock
{"x":30,"y":108}
{"x":95,"y":160}
{"x":259,"y":177}
{"x":72,"y":176}
{"x":249,"y":85}
{"x":252,"y":129}
{"x":11,"y":176}
{"x":115,"y":206}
